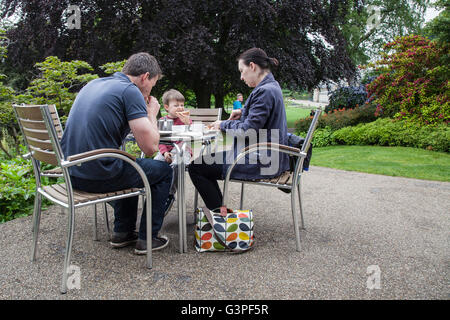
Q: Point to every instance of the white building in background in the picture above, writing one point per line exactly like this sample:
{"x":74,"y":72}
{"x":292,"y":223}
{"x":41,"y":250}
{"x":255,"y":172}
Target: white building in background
{"x":321,"y":93}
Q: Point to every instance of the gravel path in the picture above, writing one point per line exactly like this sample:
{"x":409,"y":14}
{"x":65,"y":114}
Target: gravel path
{"x":353,"y":221}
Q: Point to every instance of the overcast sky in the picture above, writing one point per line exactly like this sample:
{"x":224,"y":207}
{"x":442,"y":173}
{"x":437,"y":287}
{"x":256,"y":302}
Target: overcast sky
{"x":430,"y":14}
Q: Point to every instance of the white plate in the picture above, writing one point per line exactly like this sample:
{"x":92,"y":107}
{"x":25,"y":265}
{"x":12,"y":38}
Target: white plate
{"x":189,"y":134}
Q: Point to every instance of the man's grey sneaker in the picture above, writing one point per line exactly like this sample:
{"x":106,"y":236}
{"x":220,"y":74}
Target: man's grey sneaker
{"x":123,"y":239}
{"x":158,"y":243}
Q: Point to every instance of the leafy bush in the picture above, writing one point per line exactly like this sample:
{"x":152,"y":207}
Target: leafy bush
{"x":347,"y":97}
{"x":386,"y":132}
{"x":9,"y":129}
{"x":340,"y":118}
{"x":113,"y":67}
{"x":57,"y":83}
{"x":8,"y":123}
{"x":322,"y":137}
{"x":18,"y":189}
{"x":414,"y":83}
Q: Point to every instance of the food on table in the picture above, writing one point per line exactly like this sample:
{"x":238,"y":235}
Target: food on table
{"x":184,"y":113}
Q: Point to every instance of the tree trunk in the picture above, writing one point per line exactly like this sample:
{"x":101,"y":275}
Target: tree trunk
{"x":16,"y":140}
{"x":5,"y":151}
{"x":219,"y":97}
{"x":203,"y":96}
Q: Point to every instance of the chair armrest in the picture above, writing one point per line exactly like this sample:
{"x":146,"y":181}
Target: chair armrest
{"x":267,"y":146}
{"x":87,"y":154}
{"x":27,"y":155}
{"x":258,"y":146}
{"x":272,"y":146}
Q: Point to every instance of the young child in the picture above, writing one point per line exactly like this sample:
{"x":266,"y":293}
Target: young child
{"x":173,"y":102}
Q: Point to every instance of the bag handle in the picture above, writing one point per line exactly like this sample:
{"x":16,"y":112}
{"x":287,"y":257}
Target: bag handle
{"x":210,"y":219}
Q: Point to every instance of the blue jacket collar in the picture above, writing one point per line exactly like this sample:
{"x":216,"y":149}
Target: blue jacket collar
{"x":267,"y":79}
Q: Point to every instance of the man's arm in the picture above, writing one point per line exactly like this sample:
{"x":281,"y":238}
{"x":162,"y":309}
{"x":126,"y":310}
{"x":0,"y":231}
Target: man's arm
{"x":145,"y":130}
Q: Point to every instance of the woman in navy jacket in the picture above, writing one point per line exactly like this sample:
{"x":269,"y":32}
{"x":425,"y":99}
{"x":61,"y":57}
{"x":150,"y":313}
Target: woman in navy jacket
{"x":262,"y":119}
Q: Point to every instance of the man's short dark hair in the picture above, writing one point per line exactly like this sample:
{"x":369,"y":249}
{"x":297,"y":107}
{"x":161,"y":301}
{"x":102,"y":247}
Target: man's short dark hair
{"x":140,"y":63}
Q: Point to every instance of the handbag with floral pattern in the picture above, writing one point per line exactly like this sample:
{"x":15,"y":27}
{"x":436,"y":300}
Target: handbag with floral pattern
{"x":228,"y":230}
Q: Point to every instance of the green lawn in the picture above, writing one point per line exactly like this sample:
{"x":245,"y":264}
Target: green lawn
{"x":293,"y":114}
{"x":391,"y":161}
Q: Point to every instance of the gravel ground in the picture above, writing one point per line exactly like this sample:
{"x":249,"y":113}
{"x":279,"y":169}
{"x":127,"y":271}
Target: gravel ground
{"x":353,"y":221}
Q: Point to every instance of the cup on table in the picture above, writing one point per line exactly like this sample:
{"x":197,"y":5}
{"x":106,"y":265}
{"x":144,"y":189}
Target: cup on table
{"x":197,"y":127}
{"x":179,"y":128}
{"x":165,"y":124}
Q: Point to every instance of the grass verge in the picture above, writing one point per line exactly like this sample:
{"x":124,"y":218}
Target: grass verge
{"x":391,"y":161}
{"x":295,"y":113}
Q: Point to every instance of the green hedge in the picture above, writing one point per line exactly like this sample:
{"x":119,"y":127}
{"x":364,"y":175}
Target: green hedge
{"x":340,"y":118}
{"x":386,"y":132}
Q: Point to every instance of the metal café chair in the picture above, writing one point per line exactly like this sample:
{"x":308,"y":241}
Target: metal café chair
{"x":57,"y":172}
{"x":288,"y":180}
{"x":41,"y":138}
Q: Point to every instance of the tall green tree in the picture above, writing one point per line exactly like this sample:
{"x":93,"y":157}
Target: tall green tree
{"x":370,"y":24}
{"x":57,"y":83}
{"x":7,"y":119}
{"x":196,"y":42}
{"x":439,"y":28}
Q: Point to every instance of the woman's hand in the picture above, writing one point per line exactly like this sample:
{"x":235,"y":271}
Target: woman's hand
{"x":235,"y":115}
{"x":215,"y":125}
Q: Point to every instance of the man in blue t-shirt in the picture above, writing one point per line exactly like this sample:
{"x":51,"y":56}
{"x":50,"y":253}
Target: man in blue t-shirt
{"x":102,"y":115}
{"x":238,"y":103}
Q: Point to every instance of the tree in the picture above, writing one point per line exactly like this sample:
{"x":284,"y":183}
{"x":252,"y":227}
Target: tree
{"x":57,"y":83}
{"x":7,"y":118}
{"x":370,"y":24}
{"x":439,"y":28}
{"x":196,"y":42}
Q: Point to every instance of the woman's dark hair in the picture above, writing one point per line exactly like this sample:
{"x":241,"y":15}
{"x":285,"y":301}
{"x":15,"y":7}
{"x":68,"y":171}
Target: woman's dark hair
{"x":259,"y":57}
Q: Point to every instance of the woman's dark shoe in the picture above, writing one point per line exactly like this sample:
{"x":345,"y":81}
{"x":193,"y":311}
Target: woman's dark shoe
{"x":169,"y":204}
{"x":158,"y":243}
{"x":123,"y":239}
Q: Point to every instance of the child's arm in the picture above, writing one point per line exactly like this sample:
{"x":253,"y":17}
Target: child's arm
{"x":163,"y":148}
{"x":168,"y":157}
